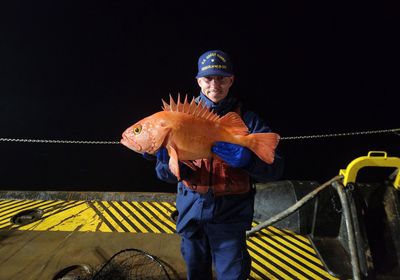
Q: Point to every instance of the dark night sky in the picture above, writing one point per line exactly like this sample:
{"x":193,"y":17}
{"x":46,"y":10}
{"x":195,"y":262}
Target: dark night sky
{"x":86,"y":70}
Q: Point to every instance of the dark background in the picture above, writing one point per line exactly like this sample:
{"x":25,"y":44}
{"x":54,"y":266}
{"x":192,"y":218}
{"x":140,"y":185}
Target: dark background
{"x":86,"y":70}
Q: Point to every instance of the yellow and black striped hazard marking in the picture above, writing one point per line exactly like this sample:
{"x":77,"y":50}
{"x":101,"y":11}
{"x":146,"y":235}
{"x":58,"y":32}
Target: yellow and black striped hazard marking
{"x":276,"y":253}
{"x":91,"y":216}
{"x":281,"y":254}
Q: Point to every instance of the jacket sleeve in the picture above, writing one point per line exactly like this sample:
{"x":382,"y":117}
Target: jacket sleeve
{"x":259,"y":170}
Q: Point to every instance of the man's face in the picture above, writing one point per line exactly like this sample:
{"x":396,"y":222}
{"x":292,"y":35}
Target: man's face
{"x":215,"y":88}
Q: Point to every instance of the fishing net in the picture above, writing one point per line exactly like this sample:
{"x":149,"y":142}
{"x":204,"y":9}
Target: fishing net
{"x":128,"y":264}
{"x":132,"y":264}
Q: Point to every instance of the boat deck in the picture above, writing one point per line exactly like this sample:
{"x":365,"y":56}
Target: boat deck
{"x":80,"y":229}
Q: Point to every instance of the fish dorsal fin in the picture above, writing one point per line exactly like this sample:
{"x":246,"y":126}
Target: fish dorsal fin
{"x":199,"y":110}
{"x":234,"y":123}
{"x":172,"y":104}
{"x":179,"y":105}
{"x":165,"y":106}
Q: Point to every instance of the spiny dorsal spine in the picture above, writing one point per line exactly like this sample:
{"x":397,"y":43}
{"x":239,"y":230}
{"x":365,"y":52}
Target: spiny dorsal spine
{"x":192,"y":108}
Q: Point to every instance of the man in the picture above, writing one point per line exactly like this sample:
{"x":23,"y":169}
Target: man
{"x":215,"y":202}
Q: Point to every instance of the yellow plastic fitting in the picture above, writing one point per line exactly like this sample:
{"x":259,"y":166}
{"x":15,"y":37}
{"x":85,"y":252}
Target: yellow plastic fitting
{"x":380,"y":159}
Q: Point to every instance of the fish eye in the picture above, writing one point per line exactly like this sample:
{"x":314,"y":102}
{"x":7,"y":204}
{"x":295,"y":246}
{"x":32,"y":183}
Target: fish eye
{"x":137,"y":130}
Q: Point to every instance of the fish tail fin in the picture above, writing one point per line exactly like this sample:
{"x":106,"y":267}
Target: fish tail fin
{"x":263,"y":145}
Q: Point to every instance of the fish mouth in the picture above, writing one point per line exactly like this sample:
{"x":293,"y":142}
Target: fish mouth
{"x":124,"y":141}
{"x":130,"y":144}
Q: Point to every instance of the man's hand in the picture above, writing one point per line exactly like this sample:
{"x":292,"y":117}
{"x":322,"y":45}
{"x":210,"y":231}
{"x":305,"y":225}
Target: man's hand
{"x":233,"y":154}
{"x":161,"y":155}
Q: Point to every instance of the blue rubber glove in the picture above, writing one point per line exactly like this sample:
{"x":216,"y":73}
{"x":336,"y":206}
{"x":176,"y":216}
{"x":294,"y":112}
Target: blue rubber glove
{"x":161,"y":155}
{"x":233,"y":154}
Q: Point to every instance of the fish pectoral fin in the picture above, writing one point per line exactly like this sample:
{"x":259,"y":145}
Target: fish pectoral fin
{"x":190,"y":164}
{"x":173,"y":162}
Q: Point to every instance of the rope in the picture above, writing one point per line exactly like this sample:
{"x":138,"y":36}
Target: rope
{"x":393,"y":130}
{"x":58,"y":141}
{"x":46,"y":141}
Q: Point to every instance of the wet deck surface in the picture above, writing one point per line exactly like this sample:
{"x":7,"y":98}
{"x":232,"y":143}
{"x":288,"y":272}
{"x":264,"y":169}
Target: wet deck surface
{"x":42,"y":254}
